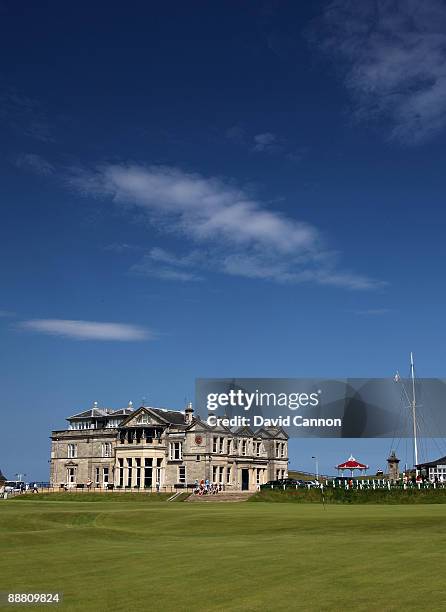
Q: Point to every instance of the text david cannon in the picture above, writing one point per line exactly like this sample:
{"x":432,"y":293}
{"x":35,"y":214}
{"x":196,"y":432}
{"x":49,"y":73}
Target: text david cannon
{"x":260,"y":421}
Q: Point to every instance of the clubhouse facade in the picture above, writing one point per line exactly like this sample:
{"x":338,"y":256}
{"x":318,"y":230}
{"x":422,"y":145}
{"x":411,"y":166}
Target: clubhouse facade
{"x":153,"y":448}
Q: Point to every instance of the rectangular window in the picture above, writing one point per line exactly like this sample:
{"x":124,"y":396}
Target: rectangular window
{"x":197,"y":458}
{"x":72,"y":451}
{"x":106,"y":449}
{"x":71,"y":475}
{"x":129,"y":473}
{"x":258,"y":478}
{"x":182,"y":474}
{"x":244,"y":447}
{"x":176,"y":451}
{"x":220,"y":474}
{"x":222,"y":445}
{"x":105,"y":474}
{"x":159,"y":463}
{"x":228,"y":474}
{"x":138,"y":472}
{"x":214,"y":445}
{"x":148,"y":473}
{"x":97,"y":481}
{"x":121,"y":472}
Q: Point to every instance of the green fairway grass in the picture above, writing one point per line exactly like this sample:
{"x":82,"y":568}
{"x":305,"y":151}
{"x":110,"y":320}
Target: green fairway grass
{"x":225,"y":556}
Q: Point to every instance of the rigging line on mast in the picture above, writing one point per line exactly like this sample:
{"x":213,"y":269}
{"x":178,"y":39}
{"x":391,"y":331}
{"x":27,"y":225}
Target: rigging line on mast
{"x":404,"y":408}
{"x":402,"y":417}
{"x":413,"y":405}
{"x":430,"y":435}
{"x":420,"y":420}
{"x":394,"y":430}
{"x":431,"y":432}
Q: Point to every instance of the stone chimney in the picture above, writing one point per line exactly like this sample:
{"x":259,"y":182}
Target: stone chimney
{"x":392,"y":467}
{"x":188,"y":413}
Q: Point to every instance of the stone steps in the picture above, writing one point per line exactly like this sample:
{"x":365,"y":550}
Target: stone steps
{"x":223,"y":496}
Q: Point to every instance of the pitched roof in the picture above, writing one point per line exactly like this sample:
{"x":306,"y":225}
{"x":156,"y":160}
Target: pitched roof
{"x":271,"y":432}
{"x":441,"y":461}
{"x":244,"y":430}
{"x":171,"y":417}
{"x":95,"y":413}
{"x":175,"y":417}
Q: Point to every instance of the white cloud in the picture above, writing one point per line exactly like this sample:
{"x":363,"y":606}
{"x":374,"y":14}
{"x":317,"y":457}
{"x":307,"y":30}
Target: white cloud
{"x":202,"y":208}
{"x":266,"y":142}
{"x":395,"y":57}
{"x":236,"y":233}
{"x":36,"y":163}
{"x":163,"y":256}
{"x":159,"y":263}
{"x":87,"y":330}
{"x":303,"y":271}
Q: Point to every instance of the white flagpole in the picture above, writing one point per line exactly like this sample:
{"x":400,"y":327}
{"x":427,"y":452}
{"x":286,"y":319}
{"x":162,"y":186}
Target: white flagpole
{"x":414,"y":415}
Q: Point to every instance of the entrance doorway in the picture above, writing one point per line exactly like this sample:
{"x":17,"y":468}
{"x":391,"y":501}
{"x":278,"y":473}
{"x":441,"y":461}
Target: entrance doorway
{"x":245,"y":479}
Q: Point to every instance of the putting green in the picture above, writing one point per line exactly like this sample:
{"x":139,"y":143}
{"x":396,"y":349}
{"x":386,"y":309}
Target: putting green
{"x":225,"y":556}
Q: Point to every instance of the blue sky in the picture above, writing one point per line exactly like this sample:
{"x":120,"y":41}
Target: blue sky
{"x":225,"y":190}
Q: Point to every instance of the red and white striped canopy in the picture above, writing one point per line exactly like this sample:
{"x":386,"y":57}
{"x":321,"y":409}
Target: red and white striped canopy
{"x":352,"y":464}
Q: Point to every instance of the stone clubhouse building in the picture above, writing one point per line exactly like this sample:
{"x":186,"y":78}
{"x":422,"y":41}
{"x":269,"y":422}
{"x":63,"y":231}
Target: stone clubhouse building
{"x":150,"y":448}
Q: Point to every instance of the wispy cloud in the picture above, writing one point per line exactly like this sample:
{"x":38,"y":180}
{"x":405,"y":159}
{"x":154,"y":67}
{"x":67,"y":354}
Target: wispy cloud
{"x":25,"y":115}
{"x":266,"y":143}
{"x":236,"y":232}
{"x":35,"y":163}
{"x":205,"y":209}
{"x":394,"y":56}
{"x":6,"y":313}
{"x":87,"y":330}
{"x":122,"y":247}
{"x":371,"y":312}
{"x":160,"y":263}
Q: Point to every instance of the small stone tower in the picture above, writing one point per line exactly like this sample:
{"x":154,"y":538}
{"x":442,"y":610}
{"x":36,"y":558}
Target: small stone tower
{"x":188,"y":413}
{"x":392,"y":467}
